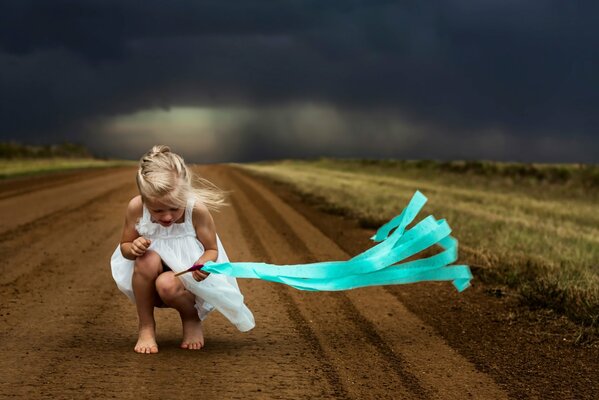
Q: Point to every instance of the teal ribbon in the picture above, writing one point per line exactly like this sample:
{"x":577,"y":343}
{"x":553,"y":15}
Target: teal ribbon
{"x":379,"y":265}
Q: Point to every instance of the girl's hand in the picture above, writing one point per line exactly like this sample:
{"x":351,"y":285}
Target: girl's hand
{"x":200,"y":275}
{"x":139,"y":246}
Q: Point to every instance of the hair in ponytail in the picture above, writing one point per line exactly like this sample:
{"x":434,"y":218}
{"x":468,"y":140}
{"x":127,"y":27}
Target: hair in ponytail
{"x":163,"y":175}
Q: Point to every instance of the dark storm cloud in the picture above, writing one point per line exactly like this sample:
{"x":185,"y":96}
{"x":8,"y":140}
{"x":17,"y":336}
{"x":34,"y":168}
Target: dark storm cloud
{"x":525,"y":68}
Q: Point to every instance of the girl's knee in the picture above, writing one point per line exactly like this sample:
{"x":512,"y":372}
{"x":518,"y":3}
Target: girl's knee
{"x":168,"y":286}
{"x":149,"y":265}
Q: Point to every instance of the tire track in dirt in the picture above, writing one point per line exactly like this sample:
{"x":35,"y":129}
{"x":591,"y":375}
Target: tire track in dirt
{"x":365,"y":326}
{"x":440,"y":370}
{"x":22,"y":185}
{"x":362,"y":326}
{"x":54,"y":300}
{"x":16,"y":211}
{"x":36,"y":230}
{"x":293,"y":310}
{"x":63,"y":213}
{"x":280,"y":309}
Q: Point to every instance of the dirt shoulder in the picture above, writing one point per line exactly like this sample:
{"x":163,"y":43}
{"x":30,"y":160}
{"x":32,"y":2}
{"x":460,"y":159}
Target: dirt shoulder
{"x":532,"y":353}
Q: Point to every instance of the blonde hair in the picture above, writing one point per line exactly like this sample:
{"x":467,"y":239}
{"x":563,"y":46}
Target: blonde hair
{"x":163,"y":175}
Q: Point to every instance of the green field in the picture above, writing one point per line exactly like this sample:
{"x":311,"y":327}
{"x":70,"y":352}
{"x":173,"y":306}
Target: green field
{"x":10,"y":168}
{"x":533,"y":228}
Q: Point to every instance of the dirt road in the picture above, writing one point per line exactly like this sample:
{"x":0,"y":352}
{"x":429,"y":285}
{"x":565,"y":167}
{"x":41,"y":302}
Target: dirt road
{"x":67,"y":332}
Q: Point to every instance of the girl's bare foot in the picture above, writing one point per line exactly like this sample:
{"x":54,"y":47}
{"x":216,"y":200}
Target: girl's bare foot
{"x":146,"y":342}
{"x":193,"y":334}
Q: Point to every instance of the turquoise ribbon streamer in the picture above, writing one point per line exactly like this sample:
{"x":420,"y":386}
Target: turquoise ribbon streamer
{"x":379,"y":265}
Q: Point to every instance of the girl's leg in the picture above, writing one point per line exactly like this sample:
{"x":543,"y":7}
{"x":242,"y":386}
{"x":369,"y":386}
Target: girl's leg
{"x":174,"y":294}
{"x":147,"y":268}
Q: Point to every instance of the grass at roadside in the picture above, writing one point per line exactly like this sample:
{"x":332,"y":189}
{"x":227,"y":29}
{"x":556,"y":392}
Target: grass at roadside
{"x":532,"y":228}
{"x":10,"y":168}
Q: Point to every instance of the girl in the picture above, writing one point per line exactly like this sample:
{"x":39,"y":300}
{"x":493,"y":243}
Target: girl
{"x":168,"y":228}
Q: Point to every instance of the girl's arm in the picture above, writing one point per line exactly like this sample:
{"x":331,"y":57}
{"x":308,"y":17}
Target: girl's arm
{"x":206,"y":233}
{"x":132,"y":244}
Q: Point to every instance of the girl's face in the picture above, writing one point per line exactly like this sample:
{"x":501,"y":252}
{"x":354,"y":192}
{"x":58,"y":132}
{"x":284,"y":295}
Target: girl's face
{"x":164,"y":214}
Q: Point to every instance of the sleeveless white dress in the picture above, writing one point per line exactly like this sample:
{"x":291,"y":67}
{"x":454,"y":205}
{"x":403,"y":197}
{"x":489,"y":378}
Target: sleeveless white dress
{"x":179,"y":248}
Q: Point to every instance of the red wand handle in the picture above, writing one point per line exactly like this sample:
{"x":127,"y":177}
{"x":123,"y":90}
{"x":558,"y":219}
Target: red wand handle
{"x":194,"y":268}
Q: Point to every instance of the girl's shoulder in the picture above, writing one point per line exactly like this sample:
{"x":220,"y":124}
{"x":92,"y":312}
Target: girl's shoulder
{"x":200,"y":215}
{"x":135,"y":208}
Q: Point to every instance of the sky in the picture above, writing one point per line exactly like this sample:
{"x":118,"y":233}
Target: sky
{"x":249,"y":80}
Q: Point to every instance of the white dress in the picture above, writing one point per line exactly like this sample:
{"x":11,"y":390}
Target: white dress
{"x":179,"y":248}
